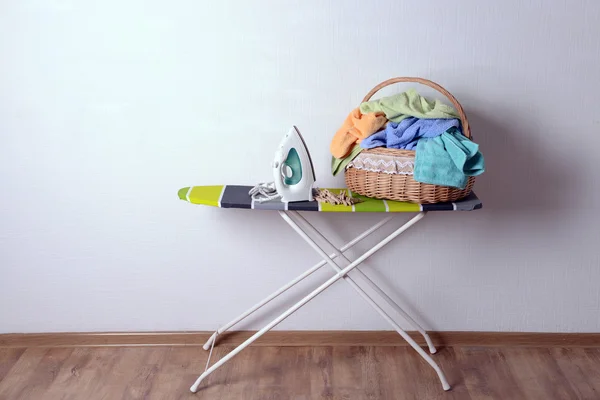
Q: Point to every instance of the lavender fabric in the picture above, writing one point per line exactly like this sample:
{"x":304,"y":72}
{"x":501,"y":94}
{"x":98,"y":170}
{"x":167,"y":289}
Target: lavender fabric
{"x":406,"y":134}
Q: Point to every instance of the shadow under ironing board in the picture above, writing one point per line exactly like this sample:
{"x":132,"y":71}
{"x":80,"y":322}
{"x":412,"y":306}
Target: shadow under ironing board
{"x":236,"y":196}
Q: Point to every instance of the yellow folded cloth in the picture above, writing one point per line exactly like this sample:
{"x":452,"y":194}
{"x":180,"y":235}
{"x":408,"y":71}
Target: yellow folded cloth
{"x":356,"y":127}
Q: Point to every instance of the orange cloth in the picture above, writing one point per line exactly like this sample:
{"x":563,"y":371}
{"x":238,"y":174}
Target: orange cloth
{"x":356,"y":127}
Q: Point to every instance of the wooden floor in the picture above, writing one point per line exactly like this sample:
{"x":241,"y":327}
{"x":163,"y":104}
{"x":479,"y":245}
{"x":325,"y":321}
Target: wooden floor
{"x":299,"y":373}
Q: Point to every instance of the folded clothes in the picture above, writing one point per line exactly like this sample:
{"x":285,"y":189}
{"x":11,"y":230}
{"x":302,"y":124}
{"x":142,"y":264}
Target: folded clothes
{"x":356,"y":127}
{"x":408,"y":104}
{"x":447,"y":160}
{"x":396,"y":108}
{"x":406,"y":134}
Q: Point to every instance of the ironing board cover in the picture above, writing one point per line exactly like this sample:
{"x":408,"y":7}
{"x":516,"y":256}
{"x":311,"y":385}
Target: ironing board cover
{"x":235,"y":196}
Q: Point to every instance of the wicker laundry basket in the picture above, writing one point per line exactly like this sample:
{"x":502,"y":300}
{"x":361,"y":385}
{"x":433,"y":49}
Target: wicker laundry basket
{"x":401,"y":187}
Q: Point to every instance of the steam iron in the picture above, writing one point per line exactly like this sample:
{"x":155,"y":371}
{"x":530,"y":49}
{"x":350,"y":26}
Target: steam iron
{"x":293,"y":171}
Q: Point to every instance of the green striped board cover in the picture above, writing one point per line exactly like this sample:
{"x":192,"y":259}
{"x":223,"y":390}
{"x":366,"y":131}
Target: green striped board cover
{"x":236,"y":196}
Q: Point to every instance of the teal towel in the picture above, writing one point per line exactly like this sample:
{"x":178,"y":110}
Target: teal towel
{"x":447,"y":160}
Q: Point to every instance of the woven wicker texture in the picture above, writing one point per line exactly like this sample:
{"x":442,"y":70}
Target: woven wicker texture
{"x":403,"y":187}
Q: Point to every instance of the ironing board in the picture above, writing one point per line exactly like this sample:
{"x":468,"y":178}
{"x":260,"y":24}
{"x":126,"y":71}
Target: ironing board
{"x":236,"y":196}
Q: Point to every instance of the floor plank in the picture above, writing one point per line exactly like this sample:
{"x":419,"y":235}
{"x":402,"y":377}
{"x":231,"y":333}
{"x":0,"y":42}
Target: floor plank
{"x":135,"y":364}
{"x":19,"y":376}
{"x":581,"y":368}
{"x":140,"y":386}
{"x":487,"y":374}
{"x":278,"y":375}
{"x":8,"y":358}
{"x":33,"y":373}
{"x":347,"y":379}
{"x":235,"y":379}
{"x":410,"y":377}
{"x":178,"y":370}
{"x":299,"y":373}
{"x":83,"y":374}
{"x":321,"y":373}
{"x":537,"y":374}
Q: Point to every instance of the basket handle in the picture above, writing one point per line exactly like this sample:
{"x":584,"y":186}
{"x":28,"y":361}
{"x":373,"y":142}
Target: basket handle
{"x":461,"y":113}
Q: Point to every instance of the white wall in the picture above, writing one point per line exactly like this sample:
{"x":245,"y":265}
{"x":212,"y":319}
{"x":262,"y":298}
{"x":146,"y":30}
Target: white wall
{"x":108,"y":108}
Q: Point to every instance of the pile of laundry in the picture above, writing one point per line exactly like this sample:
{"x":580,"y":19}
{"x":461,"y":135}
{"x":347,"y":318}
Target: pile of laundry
{"x":443,"y":155}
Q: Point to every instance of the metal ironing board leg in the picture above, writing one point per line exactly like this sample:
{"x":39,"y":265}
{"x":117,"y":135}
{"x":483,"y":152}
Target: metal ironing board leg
{"x":293,"y":282}
{"x":317,"y":291}
{"x":372,"y":284}
{"x":364,"y":295}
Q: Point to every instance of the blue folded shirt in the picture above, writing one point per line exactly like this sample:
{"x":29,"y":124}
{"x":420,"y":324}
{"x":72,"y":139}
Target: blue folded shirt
{"x":406,"y":134}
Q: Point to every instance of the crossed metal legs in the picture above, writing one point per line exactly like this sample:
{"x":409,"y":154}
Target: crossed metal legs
{"x":341,"y":273}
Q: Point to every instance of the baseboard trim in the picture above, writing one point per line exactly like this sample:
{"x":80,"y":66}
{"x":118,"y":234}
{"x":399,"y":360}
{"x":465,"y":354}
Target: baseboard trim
{"x":299,"y":338}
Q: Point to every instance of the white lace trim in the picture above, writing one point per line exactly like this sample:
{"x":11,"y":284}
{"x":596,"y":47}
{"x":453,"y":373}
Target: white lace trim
{"x":384,"y":172}
{"x":387,"y":164}
{"x":384,"y":163}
